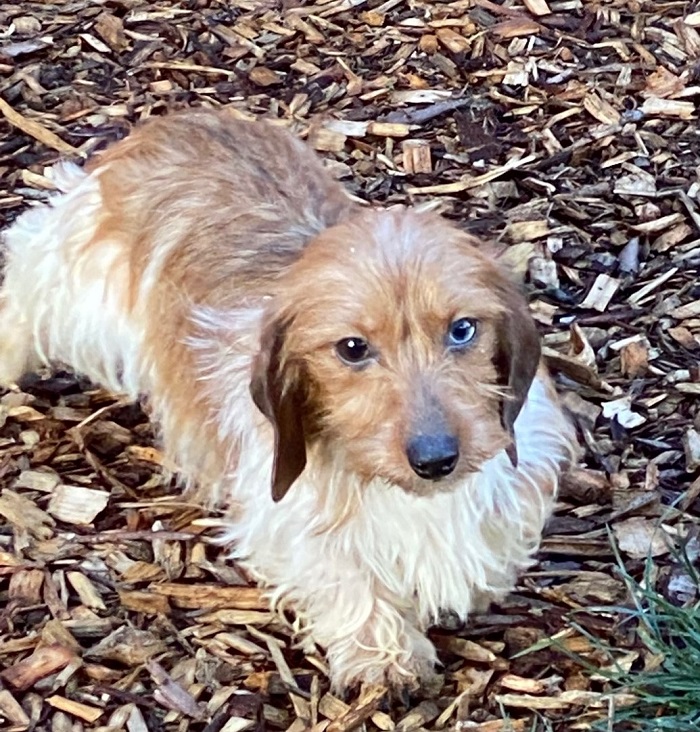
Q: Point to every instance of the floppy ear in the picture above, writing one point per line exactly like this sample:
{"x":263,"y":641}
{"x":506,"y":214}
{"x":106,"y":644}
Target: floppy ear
{"x":280,"y":396}
{"x":518,"y":352}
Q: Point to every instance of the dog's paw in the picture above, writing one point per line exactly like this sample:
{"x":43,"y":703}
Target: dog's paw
{"x":402,"y":670}
{"x":417,"y":673}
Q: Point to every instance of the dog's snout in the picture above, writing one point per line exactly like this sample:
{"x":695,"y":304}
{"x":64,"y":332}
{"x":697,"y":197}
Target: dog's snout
{"x":433,"y":456}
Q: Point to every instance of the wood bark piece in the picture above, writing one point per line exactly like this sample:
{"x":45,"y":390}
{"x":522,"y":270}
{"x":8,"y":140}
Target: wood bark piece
{"x":360,"y":711}
{"x":210,"y":596}
{"x":43,"y":662}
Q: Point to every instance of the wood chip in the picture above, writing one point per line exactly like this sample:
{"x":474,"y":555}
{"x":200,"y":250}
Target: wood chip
{"x":35,"y":129}
{"x":563,"y":700}
{"x":25,"y":515}
{"x":601,"y":110}
{"x":655,"y":107}
{"x":656,"y":226}
{"x":262,"y":76}
{"x":358,"y":712}
{"x":672,"y":237}
{"x":634,"y":359}
{"x":75,"y":709}
{"x":87,"y":592}
{"x":327,"y":140}
{"x":388,"y":129}
{"x":453,"y":41}
{"x":467,"y":649}
{"x":601,"y":293}
{"x":211,"y":596}
{"x":640,"y":538}
{"x":144,"y":602}
{"x":417,"y":156}
{"x":537,"y":7}
{"x":12,"y":712}
{"x":691,"y":447}
{"x":77,"y":505}
{"x":520,"y":231}
{"x":171,"y":694}
{"x":111,"y":29}
{"x":43,"y":662}
{"x":685,"y":312}
{"x":621,"y":410}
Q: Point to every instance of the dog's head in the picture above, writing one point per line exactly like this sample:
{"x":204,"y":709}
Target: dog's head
{"x":399,"y":345}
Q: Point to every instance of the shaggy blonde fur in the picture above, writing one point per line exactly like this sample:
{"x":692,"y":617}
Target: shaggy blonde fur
{"x":213,"y":266}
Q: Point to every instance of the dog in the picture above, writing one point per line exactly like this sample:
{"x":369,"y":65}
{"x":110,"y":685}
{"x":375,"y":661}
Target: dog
{"x":361,"y":388}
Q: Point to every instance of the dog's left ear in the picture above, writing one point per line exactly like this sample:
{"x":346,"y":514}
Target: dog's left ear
{"x":279,"y":394}
{"x":518,"y":352}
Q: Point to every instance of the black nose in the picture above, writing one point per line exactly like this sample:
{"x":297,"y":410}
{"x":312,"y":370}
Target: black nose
{"x":433,"y":456}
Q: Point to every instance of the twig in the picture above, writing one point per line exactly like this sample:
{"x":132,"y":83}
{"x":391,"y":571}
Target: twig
{"x":144,"y":535}
{"x":425,"y":114}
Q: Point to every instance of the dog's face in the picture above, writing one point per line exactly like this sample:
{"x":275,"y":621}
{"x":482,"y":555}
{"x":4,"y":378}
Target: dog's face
{"x":397,"y":344}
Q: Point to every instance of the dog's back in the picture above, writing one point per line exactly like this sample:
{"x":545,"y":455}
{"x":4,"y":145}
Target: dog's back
{"x":237,"y":199}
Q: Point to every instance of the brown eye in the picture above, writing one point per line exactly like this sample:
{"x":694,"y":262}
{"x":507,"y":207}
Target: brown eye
{"x":353,"y":351}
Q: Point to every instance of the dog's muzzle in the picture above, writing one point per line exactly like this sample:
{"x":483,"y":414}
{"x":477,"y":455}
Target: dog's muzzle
{"x":433,"y":456}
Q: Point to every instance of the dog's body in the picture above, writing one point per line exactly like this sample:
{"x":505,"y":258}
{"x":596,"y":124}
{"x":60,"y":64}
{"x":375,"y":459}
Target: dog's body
{"x":204,"y":257}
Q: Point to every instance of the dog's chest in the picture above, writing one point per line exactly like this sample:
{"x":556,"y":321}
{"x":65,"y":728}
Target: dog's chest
{"x":439,"y":551}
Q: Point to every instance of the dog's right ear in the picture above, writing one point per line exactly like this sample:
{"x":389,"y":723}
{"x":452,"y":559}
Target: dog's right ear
{"x":278,"y":392}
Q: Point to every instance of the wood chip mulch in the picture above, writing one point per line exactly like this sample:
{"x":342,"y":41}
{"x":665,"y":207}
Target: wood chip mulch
{"x":567,"y":130}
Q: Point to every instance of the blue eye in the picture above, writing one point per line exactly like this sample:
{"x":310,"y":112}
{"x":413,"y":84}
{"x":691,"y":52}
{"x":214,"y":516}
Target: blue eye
{"x":461,"y":332}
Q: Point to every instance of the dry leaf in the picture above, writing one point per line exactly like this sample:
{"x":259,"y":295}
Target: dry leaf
{"x":634,"y":359}
{"x":640,"y":538}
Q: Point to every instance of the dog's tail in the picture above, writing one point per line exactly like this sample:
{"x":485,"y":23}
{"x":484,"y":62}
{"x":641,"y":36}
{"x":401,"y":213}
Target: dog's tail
{"x":51,"y":300}
{"x":66,"y":176}
{"x":17,"y":354}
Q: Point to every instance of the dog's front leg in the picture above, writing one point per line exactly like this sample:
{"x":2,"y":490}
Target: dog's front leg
{"x":370,"y":635}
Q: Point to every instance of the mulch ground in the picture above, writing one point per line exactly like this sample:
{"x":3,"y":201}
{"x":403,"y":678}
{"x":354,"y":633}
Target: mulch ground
{"x":566,"y":130}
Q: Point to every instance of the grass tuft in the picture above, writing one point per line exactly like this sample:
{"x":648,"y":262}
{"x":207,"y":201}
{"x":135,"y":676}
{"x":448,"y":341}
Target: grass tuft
{"x":668,"y":689}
